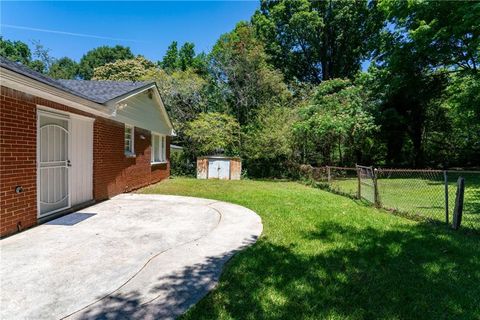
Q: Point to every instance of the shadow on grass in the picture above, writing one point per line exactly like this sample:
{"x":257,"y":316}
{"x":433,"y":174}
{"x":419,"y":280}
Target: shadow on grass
{"x":411,"y":272}
{"x":416,"y":272}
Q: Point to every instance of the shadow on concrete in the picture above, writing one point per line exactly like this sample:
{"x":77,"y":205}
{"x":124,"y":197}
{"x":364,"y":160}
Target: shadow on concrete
{"x":71,"y":219}
{"x":173,"y":294}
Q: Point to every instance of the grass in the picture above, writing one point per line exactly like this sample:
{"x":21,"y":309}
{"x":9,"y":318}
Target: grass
{"x":324,"y":256}
{"x":422,"y":197}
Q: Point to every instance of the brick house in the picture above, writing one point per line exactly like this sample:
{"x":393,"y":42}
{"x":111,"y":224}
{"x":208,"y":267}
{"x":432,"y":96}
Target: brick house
{"x":65,"y":144}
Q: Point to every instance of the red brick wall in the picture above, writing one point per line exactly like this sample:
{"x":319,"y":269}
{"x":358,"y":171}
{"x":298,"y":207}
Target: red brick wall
{"x":18,"y":131}
{"x":113,"y":172}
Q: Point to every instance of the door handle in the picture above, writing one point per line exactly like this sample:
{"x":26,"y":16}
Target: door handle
{"x":69,"y":164}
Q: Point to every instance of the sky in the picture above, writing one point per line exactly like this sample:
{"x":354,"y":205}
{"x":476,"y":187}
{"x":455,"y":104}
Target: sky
{"x":72,"y":28}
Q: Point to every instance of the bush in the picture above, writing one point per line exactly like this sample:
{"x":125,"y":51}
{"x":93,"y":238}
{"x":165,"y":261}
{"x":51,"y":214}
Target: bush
{"x":181,"y":165}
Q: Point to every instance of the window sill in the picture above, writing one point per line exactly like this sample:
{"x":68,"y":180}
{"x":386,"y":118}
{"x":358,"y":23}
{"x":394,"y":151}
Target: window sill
{"x":159,"y":162}
{"x":130,"y":155}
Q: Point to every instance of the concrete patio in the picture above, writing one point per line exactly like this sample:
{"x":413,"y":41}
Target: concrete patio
{"x":134,"y":256}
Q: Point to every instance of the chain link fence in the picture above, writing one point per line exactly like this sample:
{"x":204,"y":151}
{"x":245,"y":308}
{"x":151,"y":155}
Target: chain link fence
{"x":341,"y":180}
{"x":419,"y":194}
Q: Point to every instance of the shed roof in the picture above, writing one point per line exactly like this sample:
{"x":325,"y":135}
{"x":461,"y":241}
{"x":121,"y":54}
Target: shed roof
{"x":219,"y":157}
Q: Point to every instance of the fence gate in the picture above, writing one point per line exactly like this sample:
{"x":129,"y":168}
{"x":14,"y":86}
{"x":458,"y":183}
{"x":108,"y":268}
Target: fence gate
{"x":366,"y":183}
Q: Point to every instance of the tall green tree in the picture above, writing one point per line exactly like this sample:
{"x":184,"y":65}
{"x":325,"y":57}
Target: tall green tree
{"x":43,"y":59}
{"x":240,"y":68}
{"x":17,"y":51}
{"x":200,"y":64}
{"x":446,"y":33}
{"x":184,"y":95}
{"x":126,"y":70}
{"x":336,"y":126}
{"x":170,"y":60}
{"x":100,"y":56}
{"x":186,"y":56}
{"x":408,"y":92}
{"x":268,"y":142}
{"x":63,"y":68}
{"x":312,"y":40}
{"x":214,"y":132}
{"x":427,"y":43}
{"x":456,"y":136}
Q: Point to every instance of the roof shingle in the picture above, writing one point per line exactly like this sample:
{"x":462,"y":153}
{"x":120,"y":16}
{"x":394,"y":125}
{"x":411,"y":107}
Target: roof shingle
{"x":95,"y":91}
{"x":102,"y":91}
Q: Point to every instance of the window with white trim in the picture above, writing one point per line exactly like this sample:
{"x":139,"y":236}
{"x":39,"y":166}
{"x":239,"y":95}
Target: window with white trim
{"x":158,"y":148}
{"x":129,"y":137}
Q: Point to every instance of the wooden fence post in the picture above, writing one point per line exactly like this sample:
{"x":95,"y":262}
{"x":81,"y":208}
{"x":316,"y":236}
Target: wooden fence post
{"x":329,"y":177}
{"x":457,"y":212}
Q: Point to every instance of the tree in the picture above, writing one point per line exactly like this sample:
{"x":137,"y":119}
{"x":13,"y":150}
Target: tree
{"x":214,"y":132}
{"x":186,"y":56}
{"x":100,"y":56}
{"x":409,"y":91}
{"x":268,"y":142}
{"x":17,"y":51}
{"x":63,"y":68}
{"x":126,"y":70}
{"x":42,"y":56}
{"x":426,"y":45}
{"x":183,"y":93}
{"x":200,"y":65}
{"x":170,"y":60}
{"x":183,"y":59}
{"x":240,"y":68}
{"x":458,"y":139}
{"x":336,"y":126}
{"x":38,"y":65}
{"x":447,"y":34}
{"x":313,"y":40}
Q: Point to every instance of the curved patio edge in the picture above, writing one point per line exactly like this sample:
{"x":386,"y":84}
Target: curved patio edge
{"x":174,"y":280}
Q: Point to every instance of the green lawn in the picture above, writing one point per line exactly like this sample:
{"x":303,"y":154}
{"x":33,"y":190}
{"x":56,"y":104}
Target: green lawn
{"x":324,"y":256}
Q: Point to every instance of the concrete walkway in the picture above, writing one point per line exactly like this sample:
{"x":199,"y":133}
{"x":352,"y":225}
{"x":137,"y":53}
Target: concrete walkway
{"x":132,"y":257}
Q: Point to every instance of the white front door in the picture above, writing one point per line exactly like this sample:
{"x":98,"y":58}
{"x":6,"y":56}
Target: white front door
{"x":219,"y":169}
{"x":53,"y":163}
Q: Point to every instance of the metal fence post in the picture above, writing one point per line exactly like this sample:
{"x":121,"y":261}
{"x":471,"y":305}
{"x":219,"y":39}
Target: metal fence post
{"x":445,"y":178}
{"x":376,"y":199}
{"x":359,"y":188}
{"x":457,"y":212}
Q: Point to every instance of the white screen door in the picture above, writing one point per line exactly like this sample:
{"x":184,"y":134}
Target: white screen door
{"x":53,"y":163}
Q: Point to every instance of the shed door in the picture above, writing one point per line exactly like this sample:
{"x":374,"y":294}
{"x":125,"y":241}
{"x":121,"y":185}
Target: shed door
{"x":219,"y":169}
{"x":53,"y":164}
